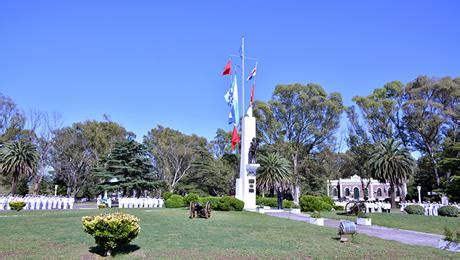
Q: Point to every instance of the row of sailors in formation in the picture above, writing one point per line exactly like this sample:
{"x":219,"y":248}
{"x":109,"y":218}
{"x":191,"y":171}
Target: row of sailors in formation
{"x":377,"y":207}
{"x":37,"y":202}
{"x":431,"y":209}
{"x":124,"y":202}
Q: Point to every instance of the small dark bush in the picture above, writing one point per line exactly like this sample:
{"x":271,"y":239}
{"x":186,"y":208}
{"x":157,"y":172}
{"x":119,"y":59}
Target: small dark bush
{"x":175,"y":201}
{"x":102,"y":206}
{"x":167,"y":194}
{"x":191,"y":197}
{"x":415,"y":209}
{"x":314,"y":203}
{"x":339,"y":207}
{"x":448,"y":211}
{"x":17,"y":205}
{"x":287,"y":204}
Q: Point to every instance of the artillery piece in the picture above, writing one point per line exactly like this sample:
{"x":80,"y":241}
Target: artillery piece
{"x":199,"y":210}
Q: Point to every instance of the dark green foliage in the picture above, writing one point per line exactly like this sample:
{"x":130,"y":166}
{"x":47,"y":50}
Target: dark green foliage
{"x":102,"y":206}
{"x":175,"y":201}
{"x":112,"y":230}
{"x":131,"y":166}
{"x":228,"y":203}
{"x":314,"y":203}
{"x":415,"y":209}
{"x":453,"y":188}
{"x":315,"y":214}
{"x":17,"y":205}
{"x":448,"y":211}
{"x":192,"y":197}
{"x":274,"y":170}
{"x":338,"y":207}
{"x":167,"y":194}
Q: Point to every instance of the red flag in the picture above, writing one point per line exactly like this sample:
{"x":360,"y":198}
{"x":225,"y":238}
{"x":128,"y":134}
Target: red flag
{"x":252,"y":94}
{"x":235,"y":138}
{"x":227,"y":69}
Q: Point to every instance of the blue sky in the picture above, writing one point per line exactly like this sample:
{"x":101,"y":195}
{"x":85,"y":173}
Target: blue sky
{"x":146,"y":63}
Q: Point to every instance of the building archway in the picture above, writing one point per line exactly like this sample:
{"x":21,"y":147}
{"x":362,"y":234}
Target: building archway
{"x":347,"y":192}
{"x":334,"y":192}
{"x":356,"y":193}
{"x":379,"y":192}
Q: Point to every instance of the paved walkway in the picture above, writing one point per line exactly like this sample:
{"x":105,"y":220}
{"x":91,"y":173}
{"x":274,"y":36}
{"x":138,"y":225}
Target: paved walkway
{"x":403,"y":236}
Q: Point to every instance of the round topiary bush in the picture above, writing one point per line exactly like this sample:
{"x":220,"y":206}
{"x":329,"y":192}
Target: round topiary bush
{"x":111,"y":231}
{"x":102,"y":206}
{"x":17,"y":205}
{"x":415,"y":210}
{"x":175,"y":201}
{"x":448,"y":211}
{"x":191,"y":197}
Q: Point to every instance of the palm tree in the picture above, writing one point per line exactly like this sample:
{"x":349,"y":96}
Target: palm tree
{"x":274,"y":171}
{"x":389,"y":162}
{"x":18,"y":159}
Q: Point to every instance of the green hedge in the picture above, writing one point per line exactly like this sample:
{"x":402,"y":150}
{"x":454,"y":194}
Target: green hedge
{"x":316,"y":203}
{"x":175,"y":201}
{"x":167,"y":194}
{"x":226,"y":203}
{"x":415,"y":210}
{"x":273,"y":202}
{"x":448,"y":211}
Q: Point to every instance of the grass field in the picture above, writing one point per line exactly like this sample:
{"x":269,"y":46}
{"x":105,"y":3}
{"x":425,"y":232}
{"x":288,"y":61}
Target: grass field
{"x":429,"y":224}
{"x":168,"y":233}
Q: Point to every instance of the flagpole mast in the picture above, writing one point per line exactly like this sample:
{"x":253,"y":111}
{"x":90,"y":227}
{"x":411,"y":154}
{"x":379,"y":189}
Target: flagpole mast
{"x":242,"y":72}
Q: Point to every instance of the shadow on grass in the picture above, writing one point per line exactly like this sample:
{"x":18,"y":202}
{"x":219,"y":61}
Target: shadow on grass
{"x":124,"y":250}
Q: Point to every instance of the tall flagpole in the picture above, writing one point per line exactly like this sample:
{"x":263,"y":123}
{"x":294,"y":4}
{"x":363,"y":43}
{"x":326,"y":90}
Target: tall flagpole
{"x":242,"y":72}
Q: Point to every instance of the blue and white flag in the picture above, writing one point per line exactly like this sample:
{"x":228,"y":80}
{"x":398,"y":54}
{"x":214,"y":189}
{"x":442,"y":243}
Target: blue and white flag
{"x":253,"y":73}
{"x":232,"y":100}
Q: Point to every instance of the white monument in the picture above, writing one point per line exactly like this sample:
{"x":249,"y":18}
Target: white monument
{"x":246,"y":183}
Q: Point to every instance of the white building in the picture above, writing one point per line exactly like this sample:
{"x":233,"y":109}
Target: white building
{"x":351,"y":189}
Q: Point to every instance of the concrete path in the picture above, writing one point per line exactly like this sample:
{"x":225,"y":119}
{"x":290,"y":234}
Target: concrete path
{"x":403,"y":236}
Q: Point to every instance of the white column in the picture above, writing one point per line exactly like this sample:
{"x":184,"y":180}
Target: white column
{"x":419,"y":195}
{"x":327,"y":188}
{"x":371,"y":190}
{"x":340,"y":187}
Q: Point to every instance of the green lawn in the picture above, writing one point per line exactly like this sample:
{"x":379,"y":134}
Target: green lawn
{"x":168,"y":233}
{"x":429,"y":224}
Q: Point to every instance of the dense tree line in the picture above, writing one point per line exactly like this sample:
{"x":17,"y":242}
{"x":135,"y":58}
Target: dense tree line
{"x":299,"y":146}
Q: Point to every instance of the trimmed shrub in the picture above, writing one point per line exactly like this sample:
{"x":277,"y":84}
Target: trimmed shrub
{"x":17,"y":205}
{"x":175,"y":201}
{"x":327,"y":200}
{"x":111,"y":230}
{"x":288,"y":204}
{"x":448,"y":211}
{"x":228,"y":203}
{"x":315,"y":214}
{"x":191,"y":197}
{"x":102,"y":206}
{"x":415,"y":209}
{"x":167,"y":194}
{"x":314,"y":203}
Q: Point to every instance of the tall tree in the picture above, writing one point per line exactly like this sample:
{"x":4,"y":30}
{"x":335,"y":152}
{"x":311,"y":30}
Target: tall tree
{"x":382,"y":112}
{"x":127,"y":168}
{"x":173,"y":153}
{"x":308,"y":118}
{"x":432,"y":106}
{"x":72,"y":159}
{"x":18,"y":159}
{"x":12,"y":120}
{"x":391,"y":163}
{"x":275,"y":171}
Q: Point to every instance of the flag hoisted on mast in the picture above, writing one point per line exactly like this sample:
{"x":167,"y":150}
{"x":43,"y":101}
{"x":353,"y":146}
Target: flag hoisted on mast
{"x":232,"y":94}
